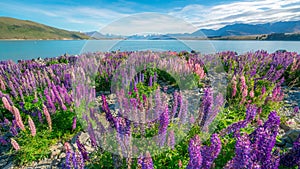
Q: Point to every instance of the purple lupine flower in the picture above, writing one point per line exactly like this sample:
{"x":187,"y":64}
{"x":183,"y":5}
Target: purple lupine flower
{"x":263,"y":140}
{"x":210,"y":153}
{"x":296,"y":109}
{"x":183,"y":112}
{"x":292,"y":157}
{"x":171,"y":139}
{"x":74,"y":160}
{"x":175,"y":105}
{"x":13,"y":128}
{"x":92,"y":135}
{"x":140,"y":161}
{"x":143,"y":77}
{"x":250,"y":114}
{"x":206,"y":106}
{"x":163,"y":127}
{"x":195,"y":161}
{"x":3,"y":141}
{"x":68,"y":163}
{"x":40,"y":116}
{"x":192,"y":119}
{"x":82,"y":150}
{"x":147,"y":164}
{"x":108,"y":114}
{"x":242,"y":153}
{"x":150,"y":81}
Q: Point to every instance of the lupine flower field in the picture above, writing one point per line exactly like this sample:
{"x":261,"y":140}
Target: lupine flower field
{"x":150,"y":110}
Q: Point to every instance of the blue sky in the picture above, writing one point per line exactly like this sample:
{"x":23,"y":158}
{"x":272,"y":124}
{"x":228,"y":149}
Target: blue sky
{"x":92,"y":15}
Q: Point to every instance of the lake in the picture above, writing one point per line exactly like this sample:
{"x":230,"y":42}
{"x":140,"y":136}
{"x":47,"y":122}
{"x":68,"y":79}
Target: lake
{"x":29,"y":49}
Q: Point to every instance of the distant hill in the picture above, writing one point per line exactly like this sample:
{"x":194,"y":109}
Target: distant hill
{"x":98,"y":35}
{"x":11,"y":28}
{"x":248,"y":29}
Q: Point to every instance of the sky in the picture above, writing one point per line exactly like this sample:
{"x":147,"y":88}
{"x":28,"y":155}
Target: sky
{"x":159,"y":15}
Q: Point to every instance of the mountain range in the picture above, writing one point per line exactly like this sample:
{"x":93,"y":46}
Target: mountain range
{"x":234,"y":30}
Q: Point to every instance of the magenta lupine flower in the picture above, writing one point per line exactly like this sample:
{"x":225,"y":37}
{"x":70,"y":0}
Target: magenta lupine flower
{"x":31,"y":126}
{"x":74,"y":123}
{"x":48,"y":117}
{"x":195,"y":161}
{"x":18,"y":118}
{"x":15,"y":144}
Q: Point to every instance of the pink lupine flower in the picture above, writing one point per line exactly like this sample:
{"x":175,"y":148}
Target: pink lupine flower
{"x":234,"y":89}
{"x":31,"y":126}
{"x":179,"y":163}
{"x":18,"y":117}
{"x":2,"y":85}
{"x":6,"y":104}
{"x":14,"y":144}
{"x":251,"y":93}
{"x":48,"y":117}
{"x":68,"y":147}
{"x":244,"y":88}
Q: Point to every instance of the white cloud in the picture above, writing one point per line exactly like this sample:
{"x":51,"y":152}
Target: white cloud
{"x":145,"y":23}
{"x":88,"y":18}
{"x":259,"y":11}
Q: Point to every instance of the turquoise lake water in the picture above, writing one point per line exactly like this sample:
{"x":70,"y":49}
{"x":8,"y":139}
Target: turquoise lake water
{"x":29,"y":49}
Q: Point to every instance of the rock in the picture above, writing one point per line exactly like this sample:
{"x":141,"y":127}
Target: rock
{"x":8,"y":166}
{"x":291,"y":123}
{"x":4,"y":160}
{"x":56,"y":150}
{"x":291,"y":136}
{"x":62,"y":155}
